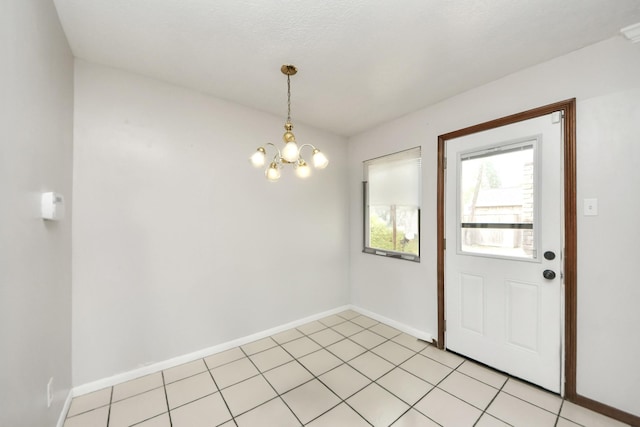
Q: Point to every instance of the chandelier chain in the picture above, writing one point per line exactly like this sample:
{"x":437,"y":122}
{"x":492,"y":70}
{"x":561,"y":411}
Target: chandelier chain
{"x":288,"y":98}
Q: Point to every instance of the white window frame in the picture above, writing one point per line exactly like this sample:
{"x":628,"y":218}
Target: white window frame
{"x":534,"y":142}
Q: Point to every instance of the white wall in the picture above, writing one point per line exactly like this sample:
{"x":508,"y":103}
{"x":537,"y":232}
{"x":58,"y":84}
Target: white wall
{"x":36,"y":113}
{"x":179,"y":244}
{"x":605,"y":79}
{"x":608,"y":291}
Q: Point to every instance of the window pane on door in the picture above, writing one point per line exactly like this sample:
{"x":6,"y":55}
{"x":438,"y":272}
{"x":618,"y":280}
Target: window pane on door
{"x":497,"y":201}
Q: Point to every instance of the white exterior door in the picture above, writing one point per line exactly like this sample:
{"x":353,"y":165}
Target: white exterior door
{"x":503,"y":257}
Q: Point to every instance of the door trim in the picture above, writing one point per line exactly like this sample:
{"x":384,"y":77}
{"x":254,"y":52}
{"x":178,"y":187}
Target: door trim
{"x":570,"y":228}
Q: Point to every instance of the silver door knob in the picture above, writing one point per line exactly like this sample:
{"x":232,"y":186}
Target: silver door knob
{"x":549,"y":274}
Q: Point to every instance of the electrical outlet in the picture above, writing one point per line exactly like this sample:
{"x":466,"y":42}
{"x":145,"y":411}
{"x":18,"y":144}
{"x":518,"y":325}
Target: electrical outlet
{"x":50,"y":392}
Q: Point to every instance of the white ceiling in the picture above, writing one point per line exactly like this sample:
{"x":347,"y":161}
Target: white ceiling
{"x":361,"y":62}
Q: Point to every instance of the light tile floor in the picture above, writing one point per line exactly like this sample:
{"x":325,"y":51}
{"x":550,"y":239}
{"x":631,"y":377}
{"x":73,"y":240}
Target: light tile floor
{"x":344,"y":370}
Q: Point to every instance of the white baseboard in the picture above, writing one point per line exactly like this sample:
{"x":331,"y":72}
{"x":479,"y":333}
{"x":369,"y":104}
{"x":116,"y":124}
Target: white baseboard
{"x":65,"y":409}
{"x":170,"y":363}
{"x":395,"y":324}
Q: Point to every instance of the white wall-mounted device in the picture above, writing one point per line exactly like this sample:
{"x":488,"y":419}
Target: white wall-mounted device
{"x":590,"y":207}
{"x":52,"y":205}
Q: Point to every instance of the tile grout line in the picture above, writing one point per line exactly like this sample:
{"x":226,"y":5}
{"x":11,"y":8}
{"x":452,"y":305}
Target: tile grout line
{"x":419,"y":352}
{"x":501,"y":390}
{"x":490,"y":402}
{"x":138,"y":394}
{"x":508,"y":377}
{"x":194,"y":400}
{"x":398,"y":366}
{"x":395,"y":366}
{"x":322,"y":347}
{"x":110,"y":403}
{"x":313,"y":375}
{"x":137,"y":423}
{"x":88,"y":410}
{"x":386,"y":339}
{"x":220,"y":391}
{"x":278,"y":395}
{"x":166,"y":398}
{"x":528,"y":401}
{"x":435,"y":386}
{"x":567,"y":419}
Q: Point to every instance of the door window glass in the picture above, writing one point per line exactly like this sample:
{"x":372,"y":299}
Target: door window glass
{"x":497,"y":201}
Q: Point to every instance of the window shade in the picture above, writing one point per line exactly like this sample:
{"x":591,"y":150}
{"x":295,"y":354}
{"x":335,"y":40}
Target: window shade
{"x":395,"y":179}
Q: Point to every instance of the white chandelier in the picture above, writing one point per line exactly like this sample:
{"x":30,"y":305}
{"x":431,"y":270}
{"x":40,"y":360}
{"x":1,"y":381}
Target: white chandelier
{"x":290,"y":154}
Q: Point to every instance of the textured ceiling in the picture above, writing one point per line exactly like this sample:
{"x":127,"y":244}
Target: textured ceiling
{"x":361,"y":62}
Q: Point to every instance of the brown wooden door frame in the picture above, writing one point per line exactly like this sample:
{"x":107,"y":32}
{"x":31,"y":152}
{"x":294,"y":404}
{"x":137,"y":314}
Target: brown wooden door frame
{"x":568,"y":107}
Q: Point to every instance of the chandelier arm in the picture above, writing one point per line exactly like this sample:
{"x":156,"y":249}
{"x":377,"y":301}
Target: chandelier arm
{"x":279,"y":156}
{"x":305,"y":145}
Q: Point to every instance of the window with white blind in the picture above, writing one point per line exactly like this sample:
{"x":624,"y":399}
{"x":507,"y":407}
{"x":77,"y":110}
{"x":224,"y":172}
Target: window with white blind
{"x":392,"y":199}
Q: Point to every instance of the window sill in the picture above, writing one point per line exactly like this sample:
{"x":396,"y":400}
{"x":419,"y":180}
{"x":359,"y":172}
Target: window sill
{"x":392,"y":254}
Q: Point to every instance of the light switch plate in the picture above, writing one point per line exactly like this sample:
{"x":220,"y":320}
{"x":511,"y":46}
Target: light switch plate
{"x":590,"y":207}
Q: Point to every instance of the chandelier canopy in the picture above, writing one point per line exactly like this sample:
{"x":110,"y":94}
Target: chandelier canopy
{"x":291,"y":154}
